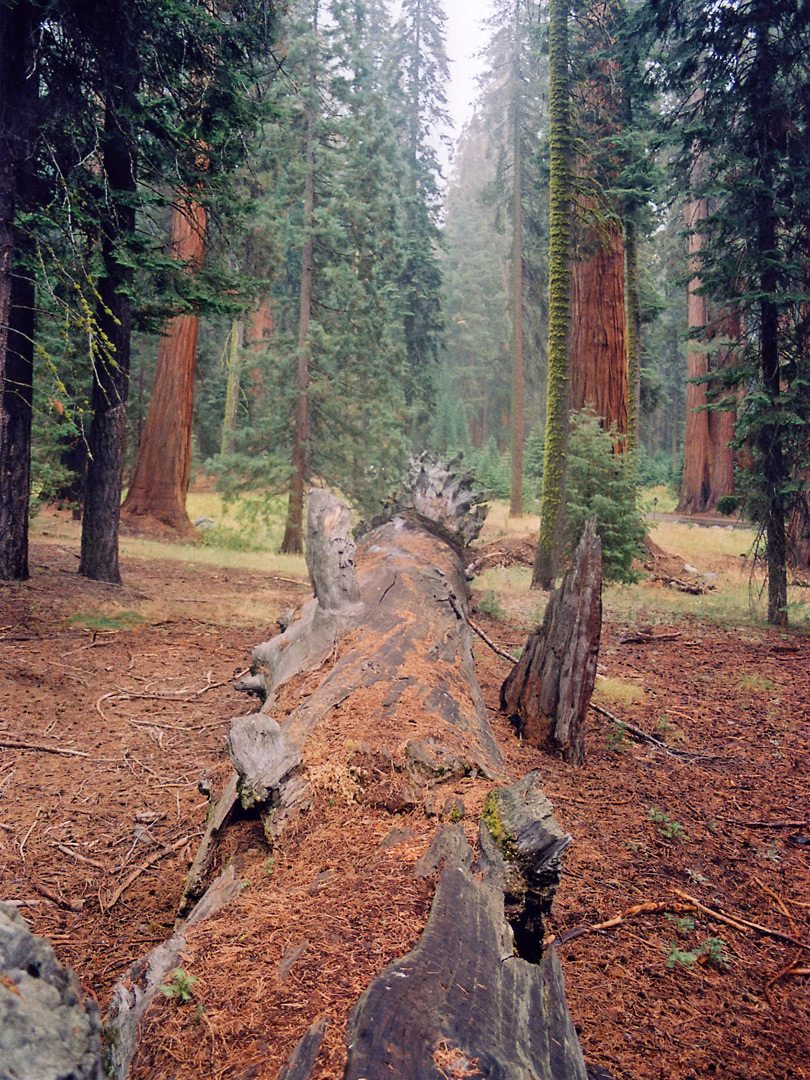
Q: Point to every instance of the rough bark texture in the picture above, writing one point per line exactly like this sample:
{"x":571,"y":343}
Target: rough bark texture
{"x":598,"y":327}
{"x":18,"y":102}
{"x":548,"y":691}
{"x":102,"y":507}
{"x":708,"y":463}
{"x":159,"y":484}
{"x":468,"y":993}
{"x":465,"y":1002}
{"x":15,"y":454}
{"x":48,"y":1031}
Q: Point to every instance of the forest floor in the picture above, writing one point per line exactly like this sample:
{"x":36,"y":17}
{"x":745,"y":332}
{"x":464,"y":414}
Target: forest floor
{"x":114,"y":703}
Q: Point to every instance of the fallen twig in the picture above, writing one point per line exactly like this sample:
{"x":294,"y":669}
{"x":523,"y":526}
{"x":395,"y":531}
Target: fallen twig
{"x":636,"y":732}
{"x":646,"y":907}
{"x":481,"y":633}
{"x":78,"y":856}
{"x":740,"y":923}
{"x":136,"y":873}
{"x":769,"y":824}
{"x":49,"y":894}
{"x":649,"y":639}
{"x":13,"y":744}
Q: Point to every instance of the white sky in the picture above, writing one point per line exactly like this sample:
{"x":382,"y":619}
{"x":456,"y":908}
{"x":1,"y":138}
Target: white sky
{"x":465,"y":38}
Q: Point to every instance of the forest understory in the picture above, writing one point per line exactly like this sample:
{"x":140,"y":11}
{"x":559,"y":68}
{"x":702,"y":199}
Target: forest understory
{"x":115,"y":702}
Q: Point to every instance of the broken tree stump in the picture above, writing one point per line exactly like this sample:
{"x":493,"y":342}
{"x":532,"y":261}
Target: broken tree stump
{"x":548,"y":691}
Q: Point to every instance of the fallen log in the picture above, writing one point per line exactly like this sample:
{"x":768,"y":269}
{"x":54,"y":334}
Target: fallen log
{"x":400,"y":658}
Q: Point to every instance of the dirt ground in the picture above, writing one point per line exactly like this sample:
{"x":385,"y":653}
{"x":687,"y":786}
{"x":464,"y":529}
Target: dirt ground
{"x":114,"y":703}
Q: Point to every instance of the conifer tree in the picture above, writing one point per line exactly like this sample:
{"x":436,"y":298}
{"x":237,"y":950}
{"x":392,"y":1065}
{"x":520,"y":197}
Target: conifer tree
{"x":419,"y":56}
{"x":552,"y":500}
{"x":750,"y":124}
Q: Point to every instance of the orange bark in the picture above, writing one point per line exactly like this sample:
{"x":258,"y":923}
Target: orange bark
{"x":598,"y":362}
{"x":159,"y":483}
{"x":598,"y":328}
{"x":708,"y":465}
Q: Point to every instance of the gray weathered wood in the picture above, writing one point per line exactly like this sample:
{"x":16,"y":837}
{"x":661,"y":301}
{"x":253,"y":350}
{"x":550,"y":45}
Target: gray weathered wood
{"x":321,"y":622}
{"x":300,"y":1062}
{"x":548,"y":690}
{"x":462,"y":1003}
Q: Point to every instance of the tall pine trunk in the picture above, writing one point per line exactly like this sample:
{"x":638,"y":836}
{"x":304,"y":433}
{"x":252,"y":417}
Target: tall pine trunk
{"x":770,"y":434}
{"x":293,"y":541}
{"x":102,"y":505}
{"x":18,"y":101}
{"x":159,"y":485}
{"x":232,"y":388}
{"x":695,"y":479}
{"x":598,"y":356}
{"x":552,"y":501}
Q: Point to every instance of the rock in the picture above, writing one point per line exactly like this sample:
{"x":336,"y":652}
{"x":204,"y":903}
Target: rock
{"x":48,"y":1030}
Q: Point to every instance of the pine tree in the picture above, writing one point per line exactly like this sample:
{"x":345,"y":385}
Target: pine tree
{"x":419,"y":57}
{"x":750,"y":124}
{"x":513,"y":112}
{"x":552,"y":499}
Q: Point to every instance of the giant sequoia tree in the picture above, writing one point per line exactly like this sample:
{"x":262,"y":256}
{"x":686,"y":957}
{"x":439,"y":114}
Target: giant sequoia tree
{"x":751,"y":125}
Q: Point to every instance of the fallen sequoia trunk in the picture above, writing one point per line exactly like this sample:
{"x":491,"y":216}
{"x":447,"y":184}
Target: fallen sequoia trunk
{"x":479,"y":995}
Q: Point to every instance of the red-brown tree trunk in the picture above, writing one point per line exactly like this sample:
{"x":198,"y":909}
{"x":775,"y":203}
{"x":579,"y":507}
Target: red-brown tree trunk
{"x":598,"y":327}
{"x":159,"y":485}
{"x":708,"y":464}
{"x":598,"y":362}
{"x":695,"y":484}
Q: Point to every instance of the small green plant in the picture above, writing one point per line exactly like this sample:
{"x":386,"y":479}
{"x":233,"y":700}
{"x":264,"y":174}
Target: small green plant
{"x":669,"y":829}
{"x":713,"y":950}
{"x":616,"y":740}
{"x":270,"y":865}
{"x":490,"y":605}
{"x":181,"y":987}
{"x":683,"y":924}
{"x":663,"y":727}
{"x":680,"y":956}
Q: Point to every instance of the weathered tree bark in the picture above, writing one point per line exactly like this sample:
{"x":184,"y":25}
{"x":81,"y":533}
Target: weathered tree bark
{"x":468,"y":1000}
{"x":479,"y":987}
{"x":102,"y":505}
{"x":159,"y":484}
{"x":598,"y":313}
{"x":18,"y":126}
{"x":708,"y":463}
{"x":598,"y":338}
{"x":548,"y":690}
